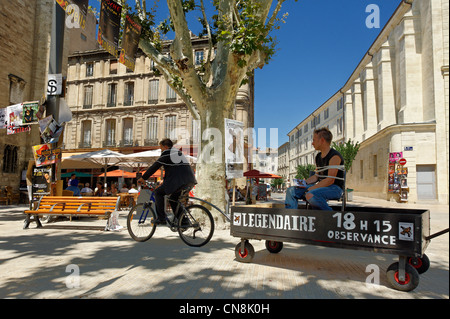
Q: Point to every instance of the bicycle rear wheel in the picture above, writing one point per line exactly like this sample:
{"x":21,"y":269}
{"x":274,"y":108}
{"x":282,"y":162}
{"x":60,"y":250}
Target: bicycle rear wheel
{"x":140,"y":222}
{"x":196,"y":225}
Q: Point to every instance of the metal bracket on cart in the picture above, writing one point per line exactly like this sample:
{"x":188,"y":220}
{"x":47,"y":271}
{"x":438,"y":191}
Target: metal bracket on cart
{"x":212,"y":205}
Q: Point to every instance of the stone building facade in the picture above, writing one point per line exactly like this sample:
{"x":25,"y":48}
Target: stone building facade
{"x":330,"y":115}
{"x":24,"y":63}
{"x":115,"y":108}
{"x":24,"y":60}
{"x":397,"y":100}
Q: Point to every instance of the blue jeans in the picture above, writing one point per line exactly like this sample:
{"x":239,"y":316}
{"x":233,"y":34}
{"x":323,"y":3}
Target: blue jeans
{"x":319,"y":199}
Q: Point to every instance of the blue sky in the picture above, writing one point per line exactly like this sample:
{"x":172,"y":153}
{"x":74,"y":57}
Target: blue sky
{"x":319,"y":46}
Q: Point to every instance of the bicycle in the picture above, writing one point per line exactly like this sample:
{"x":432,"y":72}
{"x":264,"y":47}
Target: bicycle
{"x":195,"y":224}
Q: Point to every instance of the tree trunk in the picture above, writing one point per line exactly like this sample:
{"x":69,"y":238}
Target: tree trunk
{"x":211,"y":158}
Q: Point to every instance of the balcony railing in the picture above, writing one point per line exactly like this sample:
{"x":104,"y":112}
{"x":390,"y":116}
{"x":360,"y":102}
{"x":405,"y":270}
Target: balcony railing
{"x":85,"y":145}
{"x":151,"y":142}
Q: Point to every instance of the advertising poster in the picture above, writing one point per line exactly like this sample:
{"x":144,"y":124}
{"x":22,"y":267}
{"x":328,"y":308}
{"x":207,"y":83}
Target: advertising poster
{"x":109,"y":26}
{"x":395,"y":157}
{"x":30,"y":110}
{"x":14,"y":115}
{"x":234,"y":148}
{"x":3,"y":118}
{"x":77,"y":10}
{"x":41,"y":181}
{"x":50,"y":129}
{"x":44,"y":155}
{"x":130,"y":42}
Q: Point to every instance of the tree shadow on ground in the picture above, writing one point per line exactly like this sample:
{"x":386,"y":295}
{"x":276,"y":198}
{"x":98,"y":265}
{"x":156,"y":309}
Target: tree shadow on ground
{"x":33,"y":265}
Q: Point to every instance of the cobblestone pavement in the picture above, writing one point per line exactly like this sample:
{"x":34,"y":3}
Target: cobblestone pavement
{"x":43,"y":263}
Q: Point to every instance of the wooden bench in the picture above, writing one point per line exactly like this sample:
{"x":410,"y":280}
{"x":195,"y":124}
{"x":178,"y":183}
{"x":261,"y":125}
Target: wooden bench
{"x":72,"y":206}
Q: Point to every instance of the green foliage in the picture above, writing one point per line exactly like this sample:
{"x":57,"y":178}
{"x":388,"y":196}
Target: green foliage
{"x":277,"y":182}
{"x":303,"y":170}
{"x":348,"y":151}
{"x":248,"y":34}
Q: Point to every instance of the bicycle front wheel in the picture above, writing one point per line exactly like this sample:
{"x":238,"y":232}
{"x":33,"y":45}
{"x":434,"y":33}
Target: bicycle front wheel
{"x":196,"y":225}
{"x":140,"y":222}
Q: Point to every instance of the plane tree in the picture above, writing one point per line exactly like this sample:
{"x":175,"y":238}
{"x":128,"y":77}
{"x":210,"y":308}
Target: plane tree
{"x":240,"y":40}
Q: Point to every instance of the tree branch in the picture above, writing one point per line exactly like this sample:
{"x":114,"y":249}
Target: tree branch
{"x":182,"y":52}
{"x":159,"y":58}
{"x":141,"y":9}
{"x":186,"y":97}
{"x":208,"y":59}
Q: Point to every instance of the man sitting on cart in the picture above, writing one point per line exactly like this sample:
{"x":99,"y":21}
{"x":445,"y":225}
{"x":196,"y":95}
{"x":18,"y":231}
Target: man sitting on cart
{"x":319,"y":188}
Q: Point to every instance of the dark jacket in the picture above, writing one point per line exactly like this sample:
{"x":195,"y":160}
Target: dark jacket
{"x":178,"y":172}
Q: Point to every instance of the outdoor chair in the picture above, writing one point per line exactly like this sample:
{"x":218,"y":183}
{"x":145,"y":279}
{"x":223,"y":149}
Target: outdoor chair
{"x":13,"y":197}
{"x":3,"y":197}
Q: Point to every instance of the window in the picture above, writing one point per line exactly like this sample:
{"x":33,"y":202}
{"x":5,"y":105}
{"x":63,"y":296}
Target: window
{"x":89,"y":69}
{"x":375,"y":166}
{"x":16,"y":89}
{"x":339,"y":125}
{"x":153,"y":89}
{"x":199,"y":57}
{"x":10,"y":161}
{"x":112,"y":95}
{"x":305,"y":128}
{"x":170,"y":127}
{"x":340,"y":103}
{"x":171,"y":96}
{"x":113,"y":67}
{"x":86,"y":134}
{"x":326,"y":114}
{"x":129,"y":94}
{"x":127,"y":137}
{"x":110,"y":133}
{"x":88,"y":91}
{"x":152,"y":128}
{"x":361,"y":167}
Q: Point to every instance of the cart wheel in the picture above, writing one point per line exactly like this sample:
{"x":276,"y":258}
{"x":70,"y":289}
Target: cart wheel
{"x":274,"y":247}
{"x":411,"y":277}
{"x":245,"y":256}
{"x":420,"y":263}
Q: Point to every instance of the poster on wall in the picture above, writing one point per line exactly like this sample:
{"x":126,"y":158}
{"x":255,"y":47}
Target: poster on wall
{"x":77,"y":10}
{"x":14,"y":115}
{"x":30,"y":110}
{"x":45,"y":155}
{"x":234,"y":148}
{"x":130,"y":42}
{"x":109,"y":26}
{"x":394,"y":157}
{"x":41,"y":180}
{"x":50,"y":129}
{"x":3,"y":118}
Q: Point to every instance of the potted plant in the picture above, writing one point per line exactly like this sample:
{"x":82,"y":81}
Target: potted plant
{"x":348,"y":151}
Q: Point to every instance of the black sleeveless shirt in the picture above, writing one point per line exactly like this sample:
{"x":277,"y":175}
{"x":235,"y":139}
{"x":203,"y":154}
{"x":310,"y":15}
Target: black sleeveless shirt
{"x":320,"y":162}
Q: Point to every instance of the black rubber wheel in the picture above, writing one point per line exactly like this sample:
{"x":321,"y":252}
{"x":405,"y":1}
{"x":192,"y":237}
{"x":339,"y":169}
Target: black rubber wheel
{"x":422,"y":264}
{"x":274,"y":247}
{"x":245,"y":256}
{"x":196,"y":225}
{"x":411,"y":277}
{"x":140,"y":224}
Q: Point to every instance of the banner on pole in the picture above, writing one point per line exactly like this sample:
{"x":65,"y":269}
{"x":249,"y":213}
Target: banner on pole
{"x":234,"y":148}
{"x":109,"y":27}
{"x":130,"y":42}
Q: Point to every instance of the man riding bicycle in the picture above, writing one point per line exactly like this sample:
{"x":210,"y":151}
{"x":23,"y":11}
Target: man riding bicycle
{"x":178,"y":175}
